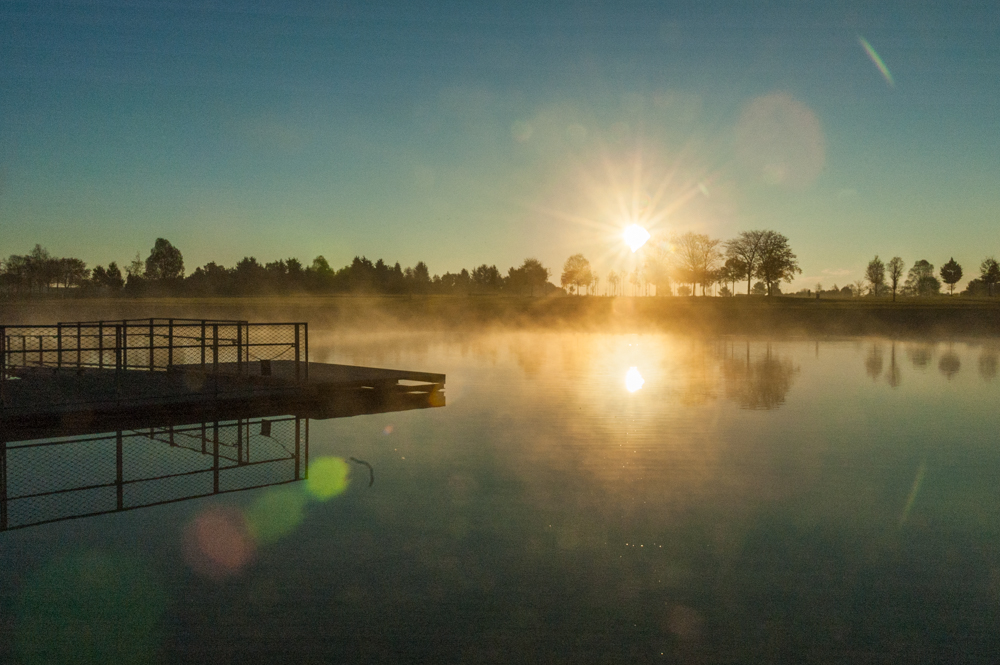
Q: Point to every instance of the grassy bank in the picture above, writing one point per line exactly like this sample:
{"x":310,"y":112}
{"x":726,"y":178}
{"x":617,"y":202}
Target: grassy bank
{"x":941,"y":316}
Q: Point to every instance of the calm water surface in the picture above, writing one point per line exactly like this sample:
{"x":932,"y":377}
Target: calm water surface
{"x":725,"y":500}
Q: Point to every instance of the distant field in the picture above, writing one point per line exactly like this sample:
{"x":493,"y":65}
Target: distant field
{"x":756,"y":315}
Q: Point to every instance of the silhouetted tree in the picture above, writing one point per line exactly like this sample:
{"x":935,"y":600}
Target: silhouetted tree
{"x":536,"y":274}
{"x":920,"y":281}
{"x":875,"y":274}
{"x":697,"y":256}
{"x":746,"y":251}
{"x":576,"y":272}
{"x":951,"y":272}
{"x":656,"y":266}
{"x":777,"y":261}
{"x":989,"y":271}
{"x":487,"y":279}
{"x":164,"y":261}
{"x":732,"y":271}
{"x":896,"y":267}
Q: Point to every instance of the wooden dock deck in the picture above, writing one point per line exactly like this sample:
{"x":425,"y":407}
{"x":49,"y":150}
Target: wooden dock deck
{"x":108,"y":370}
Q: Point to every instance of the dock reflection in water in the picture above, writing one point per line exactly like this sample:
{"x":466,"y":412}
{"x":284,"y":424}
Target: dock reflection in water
{"x":50,"y":474}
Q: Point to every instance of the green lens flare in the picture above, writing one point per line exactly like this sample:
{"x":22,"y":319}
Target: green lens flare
{"x":875,"y":58}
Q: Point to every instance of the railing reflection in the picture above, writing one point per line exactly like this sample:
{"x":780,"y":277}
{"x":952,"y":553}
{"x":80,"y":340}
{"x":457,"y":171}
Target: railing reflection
{"x":75,"y":468}
{"x":50,"y":480}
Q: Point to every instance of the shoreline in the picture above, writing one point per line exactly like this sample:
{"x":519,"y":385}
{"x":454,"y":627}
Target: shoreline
{"x":941,"y":316}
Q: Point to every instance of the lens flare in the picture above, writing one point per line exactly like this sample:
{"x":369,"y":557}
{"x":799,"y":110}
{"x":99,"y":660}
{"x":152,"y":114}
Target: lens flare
{"x":217,"y":544}
{"x":633,"y":380}
{"x":328,"y":477}
{"x":877,"y":60}
{"x":636,"y":237}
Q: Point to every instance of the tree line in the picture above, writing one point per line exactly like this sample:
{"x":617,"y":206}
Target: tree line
{"x":163,"y":273}
{"x":881,"y":277}
{"x":691,"y":260}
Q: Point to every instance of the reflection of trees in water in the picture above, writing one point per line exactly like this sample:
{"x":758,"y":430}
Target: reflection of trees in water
{"x":919,"y":355}
{"x":988,"y":365}
{"x":760,"y":383}
{"x":949,"y":364}
{"x":893,"y":376}
{"x":874,"y":362}
{"x":698,"y":367}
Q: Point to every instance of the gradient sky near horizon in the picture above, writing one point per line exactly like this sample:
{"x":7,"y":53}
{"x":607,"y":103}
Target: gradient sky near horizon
{"x":460,"y":134}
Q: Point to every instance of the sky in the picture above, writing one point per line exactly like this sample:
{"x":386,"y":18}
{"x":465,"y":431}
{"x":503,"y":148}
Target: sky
{"x":459,"y":134}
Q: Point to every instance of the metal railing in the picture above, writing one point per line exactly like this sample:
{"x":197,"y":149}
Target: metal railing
{"x":212,"y":347}
{"x":53,"y":480}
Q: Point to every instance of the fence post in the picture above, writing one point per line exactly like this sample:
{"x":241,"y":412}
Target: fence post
{"x":239,"y":442}
{"x":79,"y":337}
{"x":306,"y":334}
{"x":215,"y":456}
{"x":100,"y":345}
{"x":41,"y":351}
{"x":297,"y":354}
{"x":119,"y":337}
{"x":305,"y":466}
{"x":58,"y":345}
{"x":170,"y":344}
{"x":3,"y":485}
{"x":3,"y":365}
{"x":120,"y":468}
{"x":151,"y":365}
{"x":202,"y":346}
{"x":297,"y":446}
{"x":239,"y":348}
{"x":124,"y":345}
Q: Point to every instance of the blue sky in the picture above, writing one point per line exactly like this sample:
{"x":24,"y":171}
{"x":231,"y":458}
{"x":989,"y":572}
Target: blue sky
{"x":459,"y":134}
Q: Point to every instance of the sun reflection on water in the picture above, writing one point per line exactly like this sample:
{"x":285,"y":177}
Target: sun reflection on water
{"x":633,"y":380}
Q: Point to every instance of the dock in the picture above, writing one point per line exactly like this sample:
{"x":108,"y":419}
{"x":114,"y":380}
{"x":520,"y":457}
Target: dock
{"x":108,"y":416}
{"x":106,"y":371}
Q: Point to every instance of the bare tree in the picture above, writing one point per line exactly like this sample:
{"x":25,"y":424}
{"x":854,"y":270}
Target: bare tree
{"x":697,"y":257}
{"x":576,"y":272}
{"x":896,"y":268}
{"x":875,"y":274}
{"x":745,"y":251}
{"x":989,"y":271}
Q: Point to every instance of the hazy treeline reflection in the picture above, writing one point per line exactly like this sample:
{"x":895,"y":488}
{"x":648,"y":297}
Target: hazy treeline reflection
{"x":884,"y":359}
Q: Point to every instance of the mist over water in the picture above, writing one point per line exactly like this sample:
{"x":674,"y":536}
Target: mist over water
{"x":746,"y":499}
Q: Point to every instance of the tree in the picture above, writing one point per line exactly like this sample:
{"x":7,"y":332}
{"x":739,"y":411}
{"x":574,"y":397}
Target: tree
{"x":487,"y":278}
{"x":920,"y":281}
{"x":612,"y":282}
{"x":732,"y":271}
{"x":777,"y":261}
{"x":895,"y":266}
{"x":530,"y":276}
{"x":576,"y":272}
{"x":745,"y":252}
{"x":875,"y":274}
{"x":164,"y":261}
{"x":697,"y":257}
{"x":951,"y":272}
{"x":989,"y":271}
{"x":535,"y":274}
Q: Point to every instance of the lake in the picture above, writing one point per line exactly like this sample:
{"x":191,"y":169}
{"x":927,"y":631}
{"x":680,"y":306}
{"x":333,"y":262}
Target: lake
{"x":581,"y":498}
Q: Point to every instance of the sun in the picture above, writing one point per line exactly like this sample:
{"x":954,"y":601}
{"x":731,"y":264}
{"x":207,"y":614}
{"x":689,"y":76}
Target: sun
{"x":635,"y":237}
